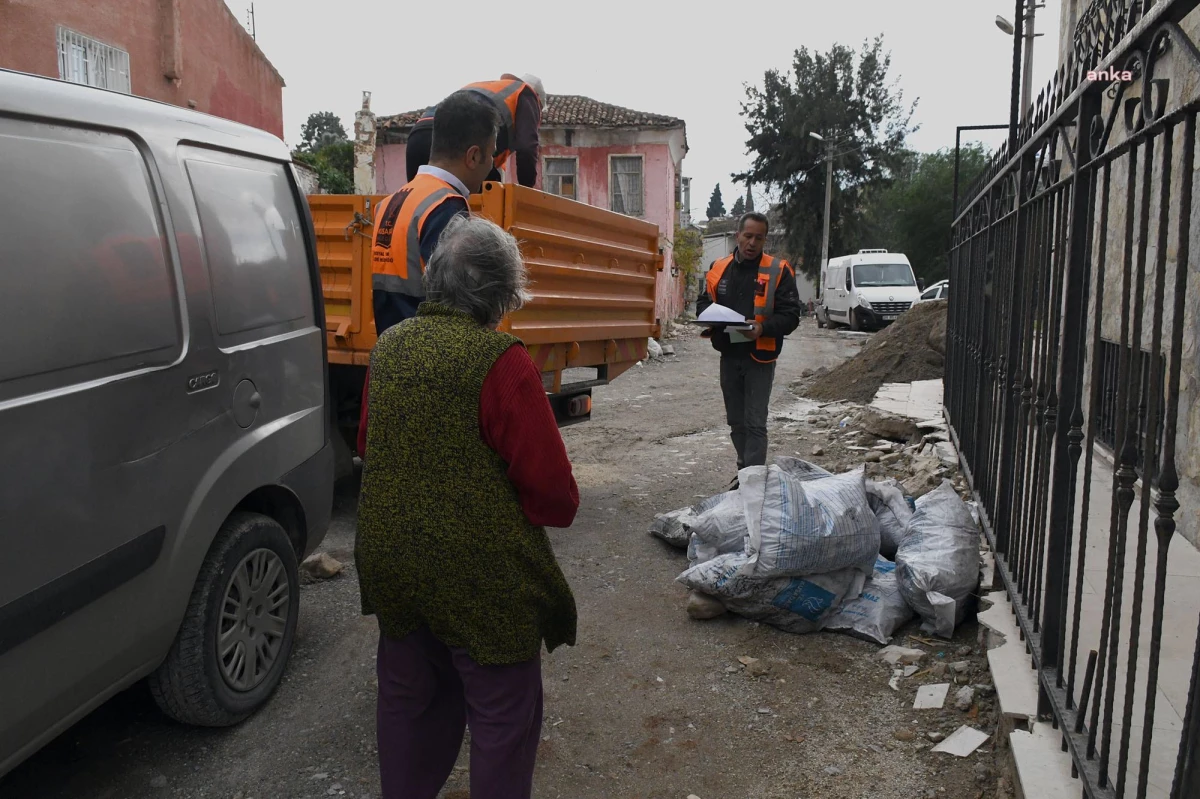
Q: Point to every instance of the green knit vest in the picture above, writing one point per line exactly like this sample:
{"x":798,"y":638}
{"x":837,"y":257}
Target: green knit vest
{"x":442,"y":539}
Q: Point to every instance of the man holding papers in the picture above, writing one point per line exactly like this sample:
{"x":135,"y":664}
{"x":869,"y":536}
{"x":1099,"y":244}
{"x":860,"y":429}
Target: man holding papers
{"x":749,"y":304}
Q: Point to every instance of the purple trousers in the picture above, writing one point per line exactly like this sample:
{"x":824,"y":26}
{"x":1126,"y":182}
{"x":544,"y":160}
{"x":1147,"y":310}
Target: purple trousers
{"x":428,"y":694}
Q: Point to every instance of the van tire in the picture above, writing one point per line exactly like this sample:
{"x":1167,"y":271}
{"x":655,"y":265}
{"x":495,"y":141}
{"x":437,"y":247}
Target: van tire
{"x":820,"y":319}
{"x":189,"y":686}
{"x":855,"y":324}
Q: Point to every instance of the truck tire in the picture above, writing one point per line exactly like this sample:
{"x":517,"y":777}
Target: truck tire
{"x":855,"y":323}
{"x":820,"y":319}
{"x":248,"y":592}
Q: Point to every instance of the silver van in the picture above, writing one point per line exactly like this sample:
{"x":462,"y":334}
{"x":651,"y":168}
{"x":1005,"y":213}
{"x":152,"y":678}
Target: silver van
{"x":165,"y":455}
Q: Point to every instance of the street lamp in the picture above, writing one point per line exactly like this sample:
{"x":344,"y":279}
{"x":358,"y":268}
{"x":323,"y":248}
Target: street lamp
{"x":828,"y":198}
{"x":1028,"y":34}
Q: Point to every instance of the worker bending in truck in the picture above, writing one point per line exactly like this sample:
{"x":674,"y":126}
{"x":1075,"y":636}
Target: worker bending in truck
{"x":763,"y":287}
{"x":409,"y":223}
{"x":520,"y":103}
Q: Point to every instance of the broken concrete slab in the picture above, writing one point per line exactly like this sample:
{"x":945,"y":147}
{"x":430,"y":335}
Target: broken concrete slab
{"x":890,"y":426}
{"x":962,"y":742}
{"x":321,"y":566}
{"x":932,"y":697}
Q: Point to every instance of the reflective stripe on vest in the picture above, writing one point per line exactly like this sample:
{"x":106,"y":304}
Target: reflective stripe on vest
{"x":397,"y":265}
{"x":426,"y":120}
{"x":770,"y":272}
{"x":504,"y":95}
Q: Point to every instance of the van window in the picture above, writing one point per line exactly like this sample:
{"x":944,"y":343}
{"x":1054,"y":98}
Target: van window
{"x":87,"y":289}
{"x":254,"y":243}
{"x":883,"y":275}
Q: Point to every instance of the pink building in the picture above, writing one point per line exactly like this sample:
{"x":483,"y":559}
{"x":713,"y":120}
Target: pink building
{"x":190,"y":53}
{"x":596,"y":153}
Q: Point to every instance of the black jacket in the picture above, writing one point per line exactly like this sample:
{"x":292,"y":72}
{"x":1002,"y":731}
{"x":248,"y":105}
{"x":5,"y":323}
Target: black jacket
{"x":736,"y":290}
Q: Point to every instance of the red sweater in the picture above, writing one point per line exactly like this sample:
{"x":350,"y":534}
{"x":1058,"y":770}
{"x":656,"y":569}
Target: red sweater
{"x":516,"y":421}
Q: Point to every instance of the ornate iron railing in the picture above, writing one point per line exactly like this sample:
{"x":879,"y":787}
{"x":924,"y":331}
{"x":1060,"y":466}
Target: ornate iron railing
{"x":1081,"y":230}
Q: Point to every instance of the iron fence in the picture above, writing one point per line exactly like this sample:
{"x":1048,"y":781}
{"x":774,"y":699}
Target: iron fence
{"x":1109,"y":355}
{"x":1077,"y":232}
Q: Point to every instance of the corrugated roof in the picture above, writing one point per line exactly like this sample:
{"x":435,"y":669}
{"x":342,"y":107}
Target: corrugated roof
{"x":566,"y":111}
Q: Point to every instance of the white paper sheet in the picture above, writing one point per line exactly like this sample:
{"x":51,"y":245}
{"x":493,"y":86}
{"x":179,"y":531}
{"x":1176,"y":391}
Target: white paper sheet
{"x":720,"y":313}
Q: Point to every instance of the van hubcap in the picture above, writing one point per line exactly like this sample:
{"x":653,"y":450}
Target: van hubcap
{"x":254,"y":617}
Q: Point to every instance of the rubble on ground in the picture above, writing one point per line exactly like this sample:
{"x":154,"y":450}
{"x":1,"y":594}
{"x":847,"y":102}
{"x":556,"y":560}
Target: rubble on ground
{"x":799,"y":548}
{"x":321,"y":566}
{"x":911,"y":348}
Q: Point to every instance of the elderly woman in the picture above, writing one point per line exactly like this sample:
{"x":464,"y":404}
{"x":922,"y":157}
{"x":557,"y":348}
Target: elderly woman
{"x":465,"y":468}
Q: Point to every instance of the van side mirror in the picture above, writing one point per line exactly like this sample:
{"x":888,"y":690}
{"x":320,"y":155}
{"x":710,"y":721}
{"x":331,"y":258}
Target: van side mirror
{"x":848,"y":285}
{"x":920,"y":284}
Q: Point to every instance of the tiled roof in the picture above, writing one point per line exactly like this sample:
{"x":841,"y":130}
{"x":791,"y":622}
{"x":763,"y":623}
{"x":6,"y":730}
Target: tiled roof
{"x":567,"y":111}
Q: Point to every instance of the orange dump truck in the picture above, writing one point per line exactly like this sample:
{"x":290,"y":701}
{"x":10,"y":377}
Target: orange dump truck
{"x":592,"y":277}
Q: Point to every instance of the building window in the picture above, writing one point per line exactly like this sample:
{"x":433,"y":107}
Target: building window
{"x":625,"y":180}
{"x":82,"y":59}
{"x":559,"y":177}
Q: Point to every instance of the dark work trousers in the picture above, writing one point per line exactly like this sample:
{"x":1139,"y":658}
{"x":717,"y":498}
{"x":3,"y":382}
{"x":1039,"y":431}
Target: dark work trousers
{"x":416,"y":153}
{"x":746,"y":384}
{"x":428,"y":694}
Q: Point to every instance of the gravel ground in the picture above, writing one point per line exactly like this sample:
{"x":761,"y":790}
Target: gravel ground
{"x":648,"y":704}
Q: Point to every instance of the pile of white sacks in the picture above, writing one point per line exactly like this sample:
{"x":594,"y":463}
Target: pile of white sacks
{"x":806,"y":550}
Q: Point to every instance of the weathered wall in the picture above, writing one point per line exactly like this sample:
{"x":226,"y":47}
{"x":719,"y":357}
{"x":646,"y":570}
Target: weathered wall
{"x":1183,"y":75}
{"x":185,"y":52}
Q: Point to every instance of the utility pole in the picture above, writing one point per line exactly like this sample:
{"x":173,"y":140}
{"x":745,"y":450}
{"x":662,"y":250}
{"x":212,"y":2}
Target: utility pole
{"x":825,"y":232}
{"x":251,"y":23}
{"x":1027,"y":78}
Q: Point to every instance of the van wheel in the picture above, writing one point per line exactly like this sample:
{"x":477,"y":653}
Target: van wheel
{"x":820,"y":320}
{"x":855,"y":324}
{"x":237,"y":635}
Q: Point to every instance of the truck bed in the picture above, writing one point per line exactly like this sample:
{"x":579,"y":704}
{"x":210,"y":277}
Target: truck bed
{"x":592,"y":276}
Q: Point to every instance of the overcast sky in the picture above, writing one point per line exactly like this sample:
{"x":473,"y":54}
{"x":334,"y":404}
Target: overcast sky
{"x":647,"y":55}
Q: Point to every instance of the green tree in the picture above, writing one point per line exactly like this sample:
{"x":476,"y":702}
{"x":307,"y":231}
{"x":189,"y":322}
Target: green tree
{"x":739,"y":207}
{"x":334,"y":164}
{"x":687,"y":251}
{"x":325,"y":148}
{"x":913,"y":213}
{"x":851,"y":103}
{"x":716,"y":206}
{"x":321,"y":129}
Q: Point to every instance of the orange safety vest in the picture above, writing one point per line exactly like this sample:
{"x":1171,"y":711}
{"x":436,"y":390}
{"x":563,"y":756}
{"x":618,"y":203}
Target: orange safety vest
{"x":770,"y":273}
{"x":504,"y":95}
{"x":396,"y":262}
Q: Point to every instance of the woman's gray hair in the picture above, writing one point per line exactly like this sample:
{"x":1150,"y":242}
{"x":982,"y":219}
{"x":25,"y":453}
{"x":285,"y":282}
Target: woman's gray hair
{"x":476,"y":268}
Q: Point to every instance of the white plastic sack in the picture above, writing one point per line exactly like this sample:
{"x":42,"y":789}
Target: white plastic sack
{"x":878,"y":611}
{"x":937,"y":565}
{"x":893,"y":513}
{"x":803,"y":527}
{"x":719,"y":530}
{"x":717,"y":525}
{"x":794,"y":604}
{"x":672,"y":527}
{"x":800,"y":469}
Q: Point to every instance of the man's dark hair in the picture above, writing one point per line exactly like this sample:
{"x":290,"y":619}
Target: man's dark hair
{"x":463,"y":120}
{"x":753,"y":216}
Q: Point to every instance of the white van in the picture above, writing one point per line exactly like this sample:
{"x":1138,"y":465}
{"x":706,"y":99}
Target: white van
{"x":867,"y":290}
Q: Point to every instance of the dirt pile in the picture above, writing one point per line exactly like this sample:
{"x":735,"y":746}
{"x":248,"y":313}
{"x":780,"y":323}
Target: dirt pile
{"x":912,"y":348}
